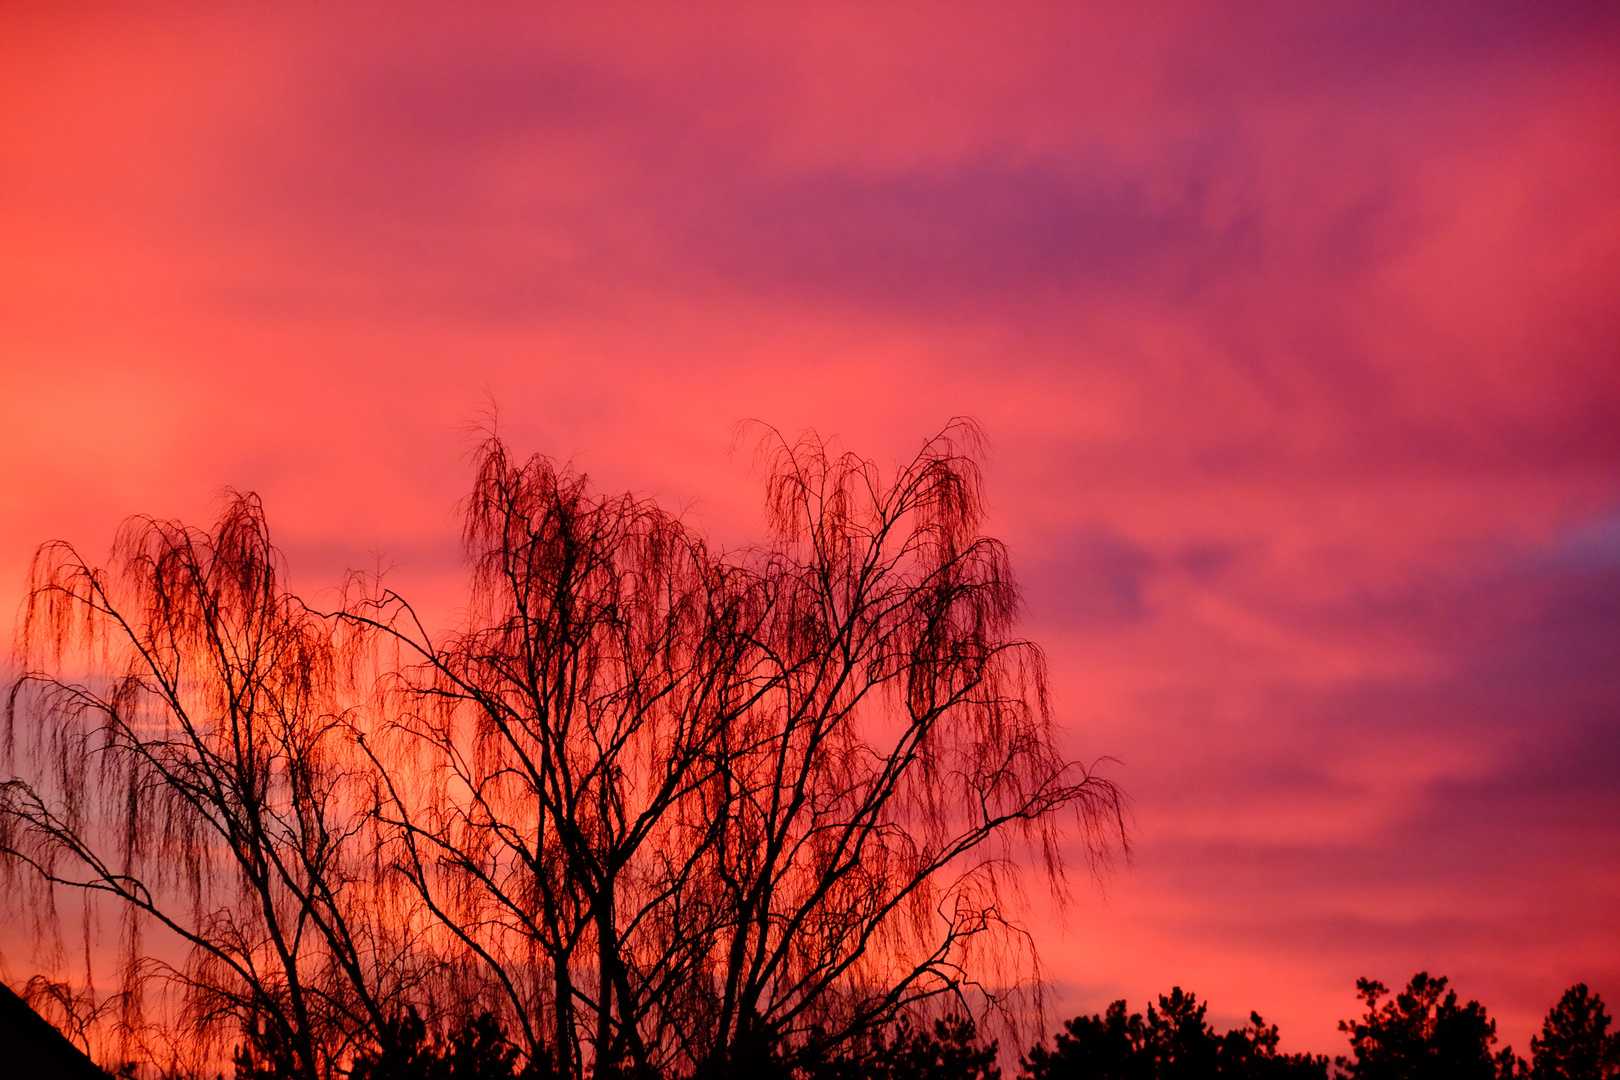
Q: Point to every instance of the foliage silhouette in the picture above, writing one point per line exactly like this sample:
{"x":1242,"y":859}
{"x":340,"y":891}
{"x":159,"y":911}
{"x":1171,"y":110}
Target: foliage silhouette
{"x":949,"y":1050}
{"x":476,"y":1050}
{"x":1575,"y":1043}
{"x":1173,"y":1042}
{"x":1420,"y":1034}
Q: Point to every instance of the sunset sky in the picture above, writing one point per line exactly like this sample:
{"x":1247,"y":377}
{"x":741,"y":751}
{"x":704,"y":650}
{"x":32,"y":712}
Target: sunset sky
{"x":1295,"y":329}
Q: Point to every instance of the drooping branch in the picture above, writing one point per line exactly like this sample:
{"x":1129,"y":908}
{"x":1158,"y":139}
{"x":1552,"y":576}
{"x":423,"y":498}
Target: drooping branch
{"x":650,"y":806}
{"x":183,"y":724}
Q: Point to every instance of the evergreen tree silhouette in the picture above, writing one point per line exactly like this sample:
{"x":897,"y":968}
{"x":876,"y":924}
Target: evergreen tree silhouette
{"x":1575,"y":1043}
{"x":1423,"y":1033}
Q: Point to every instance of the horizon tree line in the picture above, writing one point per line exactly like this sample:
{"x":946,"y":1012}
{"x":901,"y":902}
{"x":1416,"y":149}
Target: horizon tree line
{"x":1421,"y":1033}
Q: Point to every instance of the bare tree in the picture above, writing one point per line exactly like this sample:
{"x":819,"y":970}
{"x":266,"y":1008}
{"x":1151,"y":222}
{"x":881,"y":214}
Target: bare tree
{"x":658,"y":808}
{"x":762,"y":799}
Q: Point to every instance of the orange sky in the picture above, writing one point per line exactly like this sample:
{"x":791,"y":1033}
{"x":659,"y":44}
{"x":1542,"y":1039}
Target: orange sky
{"x":1294,"y":331}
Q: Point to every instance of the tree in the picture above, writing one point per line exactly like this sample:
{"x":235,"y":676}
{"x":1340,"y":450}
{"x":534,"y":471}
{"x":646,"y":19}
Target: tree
{"x":770,"y":798}
{"x":1575,"y":1043}
{"x":1110,"y":1046}
{"x":1251,"y":1052}
{"x":653,"y":808}
{"x":1420,"y":1034}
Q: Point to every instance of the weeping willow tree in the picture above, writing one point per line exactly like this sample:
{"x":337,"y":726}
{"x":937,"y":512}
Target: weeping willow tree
{"x":660,"y":809}
{"x":748,"y":803}
{"x":180,"y":759}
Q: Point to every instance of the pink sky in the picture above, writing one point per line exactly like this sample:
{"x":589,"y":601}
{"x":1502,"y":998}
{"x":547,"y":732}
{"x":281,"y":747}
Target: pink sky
{"x":1294,"y":328}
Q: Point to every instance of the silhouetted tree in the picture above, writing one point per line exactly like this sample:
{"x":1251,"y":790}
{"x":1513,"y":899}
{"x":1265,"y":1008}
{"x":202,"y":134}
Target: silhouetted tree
{"x":188,"y":762}
{"x":655,"y":808}
{"x":1421,"y":1034}
{"x":1173,"y":1042}
{"x":1111,"y":1046}
{"x":1575,"y":1043}
{"x":762,"y":799}
{"x":1181,"y":1042}
{"x":1251,"y":1052}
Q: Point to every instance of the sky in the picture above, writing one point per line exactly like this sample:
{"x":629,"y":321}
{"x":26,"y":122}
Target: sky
{"x":1293,"y":328}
